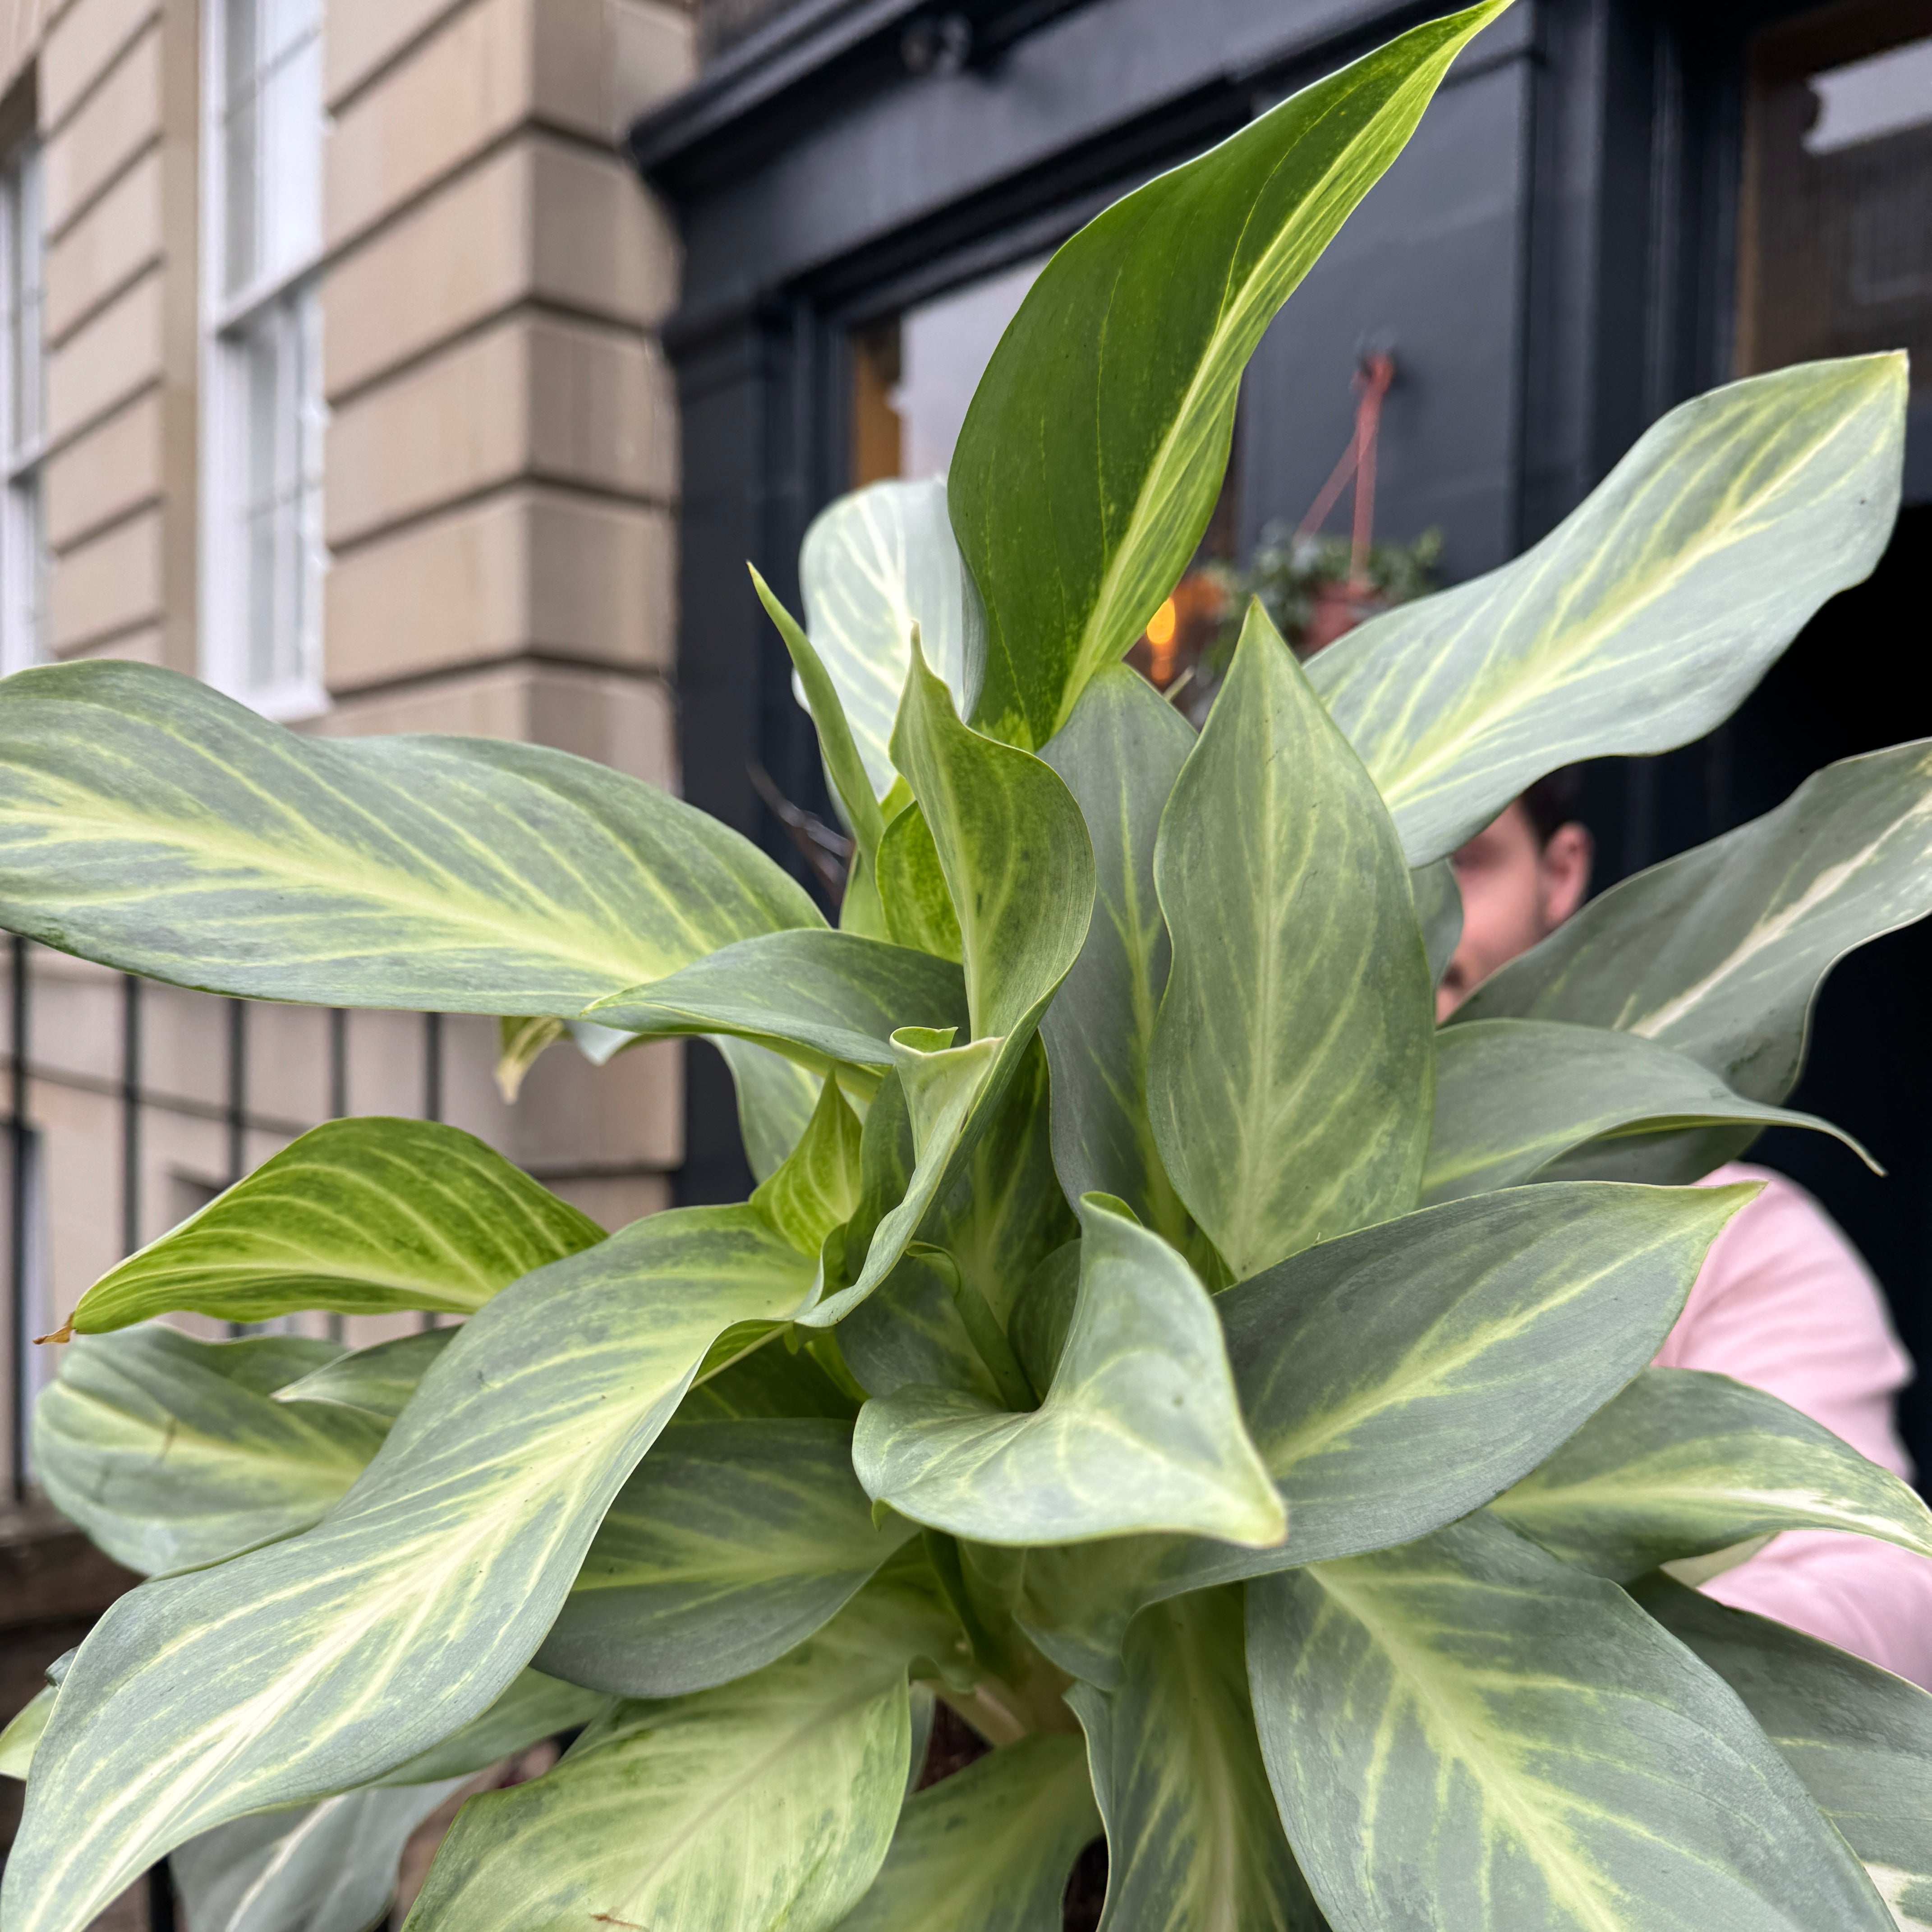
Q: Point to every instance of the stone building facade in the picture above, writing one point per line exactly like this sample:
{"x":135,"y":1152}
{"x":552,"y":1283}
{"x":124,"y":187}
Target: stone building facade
{"x":331,"y":375}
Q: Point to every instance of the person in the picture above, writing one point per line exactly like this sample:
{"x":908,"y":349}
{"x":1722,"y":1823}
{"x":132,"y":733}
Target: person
{"x":1783,"y":1301}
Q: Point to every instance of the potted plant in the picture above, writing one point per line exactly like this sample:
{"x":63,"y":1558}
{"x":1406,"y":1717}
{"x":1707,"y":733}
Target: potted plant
{"x":1149,"y":1334}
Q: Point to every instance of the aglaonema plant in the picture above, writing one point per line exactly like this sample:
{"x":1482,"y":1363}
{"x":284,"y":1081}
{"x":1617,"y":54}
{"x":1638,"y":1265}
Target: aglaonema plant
{"x":1149,"y":1333}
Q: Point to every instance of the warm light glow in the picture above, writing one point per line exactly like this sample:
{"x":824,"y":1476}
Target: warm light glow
{"x":1160,"y":625}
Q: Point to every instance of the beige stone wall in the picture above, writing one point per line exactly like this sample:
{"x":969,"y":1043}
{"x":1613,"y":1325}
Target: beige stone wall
{"x":502,"y":483}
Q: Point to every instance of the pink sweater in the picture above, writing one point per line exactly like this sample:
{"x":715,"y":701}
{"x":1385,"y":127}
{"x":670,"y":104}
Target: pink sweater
{"x":1785,"y":1303}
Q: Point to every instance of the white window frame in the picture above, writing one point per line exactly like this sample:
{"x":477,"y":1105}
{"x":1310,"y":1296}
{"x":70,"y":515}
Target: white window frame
{"x":285,"y":295}
{"x":23,"y":572}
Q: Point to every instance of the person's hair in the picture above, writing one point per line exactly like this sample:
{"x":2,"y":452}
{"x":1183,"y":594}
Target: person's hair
{"x":1554,"y":801}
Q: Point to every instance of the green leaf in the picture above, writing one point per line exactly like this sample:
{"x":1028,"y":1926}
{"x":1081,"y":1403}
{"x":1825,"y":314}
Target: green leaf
{"x":1119,"y":755}
{"x":820,"y":997}
{"x":731,"y":1543}
{"x":1014,"y":1213}
{"x":1438,"y":911}
{"x":22,"y":1733}
{"x":1397,"y":1379}
{"x":321,"y":1662}
{"x":949,"y":1093}
{"x":1094,"y":449}
{"x":329,"y":1867}
{"x":1470,"y":1732}
{"x":911,"y":1331}
{"x":1140,"y":1430}
{"x":1193,"y":1841}
{"x":765,"y":1803}
{"x":171,"y":1452}
{"x":775,"y":1382}
{"x":1292,"y":1060}
{"x":365,"y":1216}
{"x":775,"y":1098}
{"x":850,"y":784}
{"x":521,"y":1042}
{"x":988,"y":1848}
{"x":914,"y":898}
{"x":817,"y":1187}
{"x":1647,"y":615}
{"x":378,"y":1380}
{"x":1859,"y":1738}
{"x":151,"y":824}
{"x":874,"y":565}
{"x":534,"y":1707}
{"x":1719,"y":951}
{"x":1683,"y":1463}
{"x":1013,"y":848}
{"x":1513,"y":1098}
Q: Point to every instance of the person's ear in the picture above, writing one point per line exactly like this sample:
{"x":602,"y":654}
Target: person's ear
{"x":1566,"y":857}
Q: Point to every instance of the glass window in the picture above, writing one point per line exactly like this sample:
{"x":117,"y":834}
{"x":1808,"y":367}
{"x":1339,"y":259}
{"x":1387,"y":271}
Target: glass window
{"x":264,"y":556}
{"x":22,"y":411}
{"x":914,"y":375}
{"x":1837,"y":230}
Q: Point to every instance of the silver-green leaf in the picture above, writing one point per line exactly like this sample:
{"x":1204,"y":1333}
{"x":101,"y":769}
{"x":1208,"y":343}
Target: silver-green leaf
{"x":1719,"y":952}
{"x":172,"y":1453}
{"x":1119,"y":755}
{"x":1399,"y":1378}
{"x":1140,"y":1430}
{"x":324,"y":1661}
{"x":731,"y":1543}
{"x":1645,"y":616}
{"x":1193,"y":1843}
{"x":1466,"y":1735}
{"x":1293,"y":1058}
{"x":151,"y":824}
{"x":1683,"y":1464}
{"x":1859,"y":1738}
{"x":365,"y":1217}
{"x":873,"y":565}
{"x":819,"y":997}
{"x":1519,"y":1099}
{"x":988,"y":1849}
{"x":766,"y":1805}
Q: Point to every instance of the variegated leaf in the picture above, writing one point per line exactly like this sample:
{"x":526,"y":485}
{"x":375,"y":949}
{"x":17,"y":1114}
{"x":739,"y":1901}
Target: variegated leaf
{"x":534,"y":1706}
{"x":22,"y":1733}
{"x":1859,"y":1738}
{"x":1095,"y":447}
{"x":378,"y":1380}
{"x":766,"y":1805}
{"x":731,"y":1543}
{"x":776,"y":1097}
{"x":873,"y":565}
{"x":1719,"y":952}
{"x":1119,"y":755}
{"x":845,"y":765}
{"x":324,"y":1661}
{"x":1395,"y":1380}
{"x":1646,"y":616}
{"x":151,"y":824}
{"x":1014,"y":850}
{"x":821,"y":998}
{"x":1682,"y":1464}
{"x":171,"y":1452}
{"x":988,"y":1848}
{"x":1525,"y":1100}
{"x":1467,"y":1734}
{"x":1438,"y":911}
{"x":1293,"y":1058}
{"x":1193,"y":1844}
{"x":365,"y":1216}
{"x":915,"y":901}
{"x":912,"y":1331}
{"x":1140,"y":1430}
{"x":816,"y":1187}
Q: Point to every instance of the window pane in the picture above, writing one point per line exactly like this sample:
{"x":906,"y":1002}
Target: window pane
{"x":1837,"y":233}
{"x":291,"y":185}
